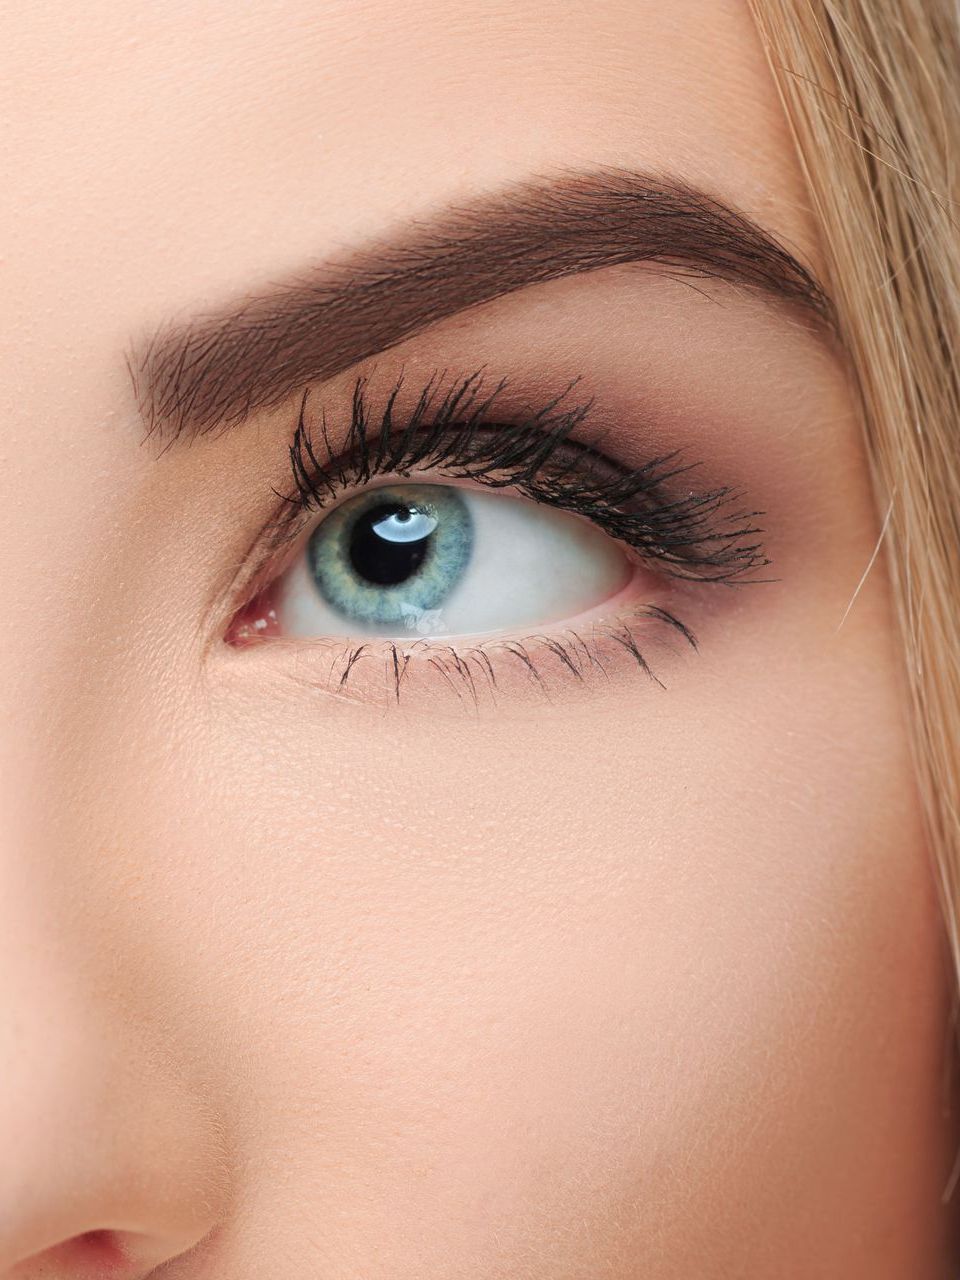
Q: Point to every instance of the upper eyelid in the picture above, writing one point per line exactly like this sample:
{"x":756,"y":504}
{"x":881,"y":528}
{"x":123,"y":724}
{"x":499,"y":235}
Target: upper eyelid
{"x":695,"y":534}
{"x":460,"y":404}
{"x":322,"y":474}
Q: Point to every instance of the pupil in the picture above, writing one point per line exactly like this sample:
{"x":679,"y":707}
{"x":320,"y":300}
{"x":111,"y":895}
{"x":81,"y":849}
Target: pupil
{"x":389,"y":543}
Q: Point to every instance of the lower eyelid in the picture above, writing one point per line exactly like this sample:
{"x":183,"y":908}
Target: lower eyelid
{"x":629,"y":637}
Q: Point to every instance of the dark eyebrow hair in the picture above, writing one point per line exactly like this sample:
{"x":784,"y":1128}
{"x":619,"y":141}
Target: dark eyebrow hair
{"x":214,"y":371}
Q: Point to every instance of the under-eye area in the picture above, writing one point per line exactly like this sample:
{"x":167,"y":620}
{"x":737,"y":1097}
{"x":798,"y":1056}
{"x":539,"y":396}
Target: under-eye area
{"x":486,"y":551}
{"x":587,"y":657}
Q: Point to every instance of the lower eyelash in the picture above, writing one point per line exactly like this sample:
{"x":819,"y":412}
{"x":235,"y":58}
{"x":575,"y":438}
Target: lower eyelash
{"x":475,"y":672}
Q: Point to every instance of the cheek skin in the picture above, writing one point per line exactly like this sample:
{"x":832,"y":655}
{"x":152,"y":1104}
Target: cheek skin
{"x":568,"y":992}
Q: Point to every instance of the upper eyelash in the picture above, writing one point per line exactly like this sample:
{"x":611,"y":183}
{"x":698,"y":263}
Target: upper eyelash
{"x":694,"y":535}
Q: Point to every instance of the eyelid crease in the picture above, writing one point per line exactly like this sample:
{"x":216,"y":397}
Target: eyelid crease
{"x":452,"y":430}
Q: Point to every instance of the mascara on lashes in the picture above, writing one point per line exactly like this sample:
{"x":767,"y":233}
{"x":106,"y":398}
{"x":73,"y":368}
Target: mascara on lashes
{"x":459,"y":432}
{"x":696,"y":535}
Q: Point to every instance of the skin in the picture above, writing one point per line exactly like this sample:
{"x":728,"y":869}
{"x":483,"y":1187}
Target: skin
{"x":634,"y":982}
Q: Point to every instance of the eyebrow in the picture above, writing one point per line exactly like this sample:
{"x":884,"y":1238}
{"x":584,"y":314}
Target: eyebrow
{"x":217,"y":369}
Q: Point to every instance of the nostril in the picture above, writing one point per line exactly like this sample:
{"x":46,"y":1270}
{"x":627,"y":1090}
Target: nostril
{"x":94,"y":1249}
{"x":93,"y":1255}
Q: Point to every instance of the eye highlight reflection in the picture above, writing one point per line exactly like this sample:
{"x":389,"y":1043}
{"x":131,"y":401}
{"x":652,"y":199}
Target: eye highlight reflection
{"x":382,"y":561}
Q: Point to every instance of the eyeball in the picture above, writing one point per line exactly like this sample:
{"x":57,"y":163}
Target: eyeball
{"x":402,"y":559}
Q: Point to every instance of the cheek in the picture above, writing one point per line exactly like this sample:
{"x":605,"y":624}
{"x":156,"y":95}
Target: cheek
{"x":566,"y":982}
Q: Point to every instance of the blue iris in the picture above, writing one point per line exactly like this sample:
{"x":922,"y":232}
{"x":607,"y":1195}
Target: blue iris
{"x":391,"y":554}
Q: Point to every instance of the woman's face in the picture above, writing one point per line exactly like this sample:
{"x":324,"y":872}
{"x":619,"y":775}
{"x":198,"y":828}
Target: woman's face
{"x":472,"y":923}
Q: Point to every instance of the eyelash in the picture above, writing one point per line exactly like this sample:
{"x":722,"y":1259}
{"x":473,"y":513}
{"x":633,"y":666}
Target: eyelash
{"x":696,"y":536}
{"x":575,"y":655}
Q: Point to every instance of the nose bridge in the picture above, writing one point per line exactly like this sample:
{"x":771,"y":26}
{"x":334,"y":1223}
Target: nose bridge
{"x":104,"y":1128}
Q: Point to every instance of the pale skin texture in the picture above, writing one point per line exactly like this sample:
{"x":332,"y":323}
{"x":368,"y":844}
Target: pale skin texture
{"x":634,"y":983}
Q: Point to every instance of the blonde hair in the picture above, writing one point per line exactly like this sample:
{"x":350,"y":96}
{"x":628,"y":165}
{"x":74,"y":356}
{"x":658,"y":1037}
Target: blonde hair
{"x":872,"y":93}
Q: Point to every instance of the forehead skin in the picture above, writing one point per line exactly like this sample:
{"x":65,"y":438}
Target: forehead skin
{"x":655,"y":993}
{"x":213,"y":144}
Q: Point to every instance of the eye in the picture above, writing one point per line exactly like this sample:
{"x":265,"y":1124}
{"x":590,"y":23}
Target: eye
{"x":443,"y":560}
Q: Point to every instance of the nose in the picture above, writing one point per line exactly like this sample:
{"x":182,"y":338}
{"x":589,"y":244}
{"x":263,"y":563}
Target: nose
{"x":111,"y":1162}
